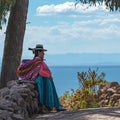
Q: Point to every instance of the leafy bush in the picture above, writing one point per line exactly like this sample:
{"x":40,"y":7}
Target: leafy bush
{"x":90,"y":80}
{"x":86,"y":96}
{"x":5,"y":7}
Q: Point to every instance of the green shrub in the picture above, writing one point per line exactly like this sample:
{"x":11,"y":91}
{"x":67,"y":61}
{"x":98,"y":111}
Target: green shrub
{"x":86,"y":96}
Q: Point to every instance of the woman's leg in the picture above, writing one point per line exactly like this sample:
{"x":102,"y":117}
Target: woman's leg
{"x":52,"y":99}
{"x":40,"y":85}
{"x":47,"y":92}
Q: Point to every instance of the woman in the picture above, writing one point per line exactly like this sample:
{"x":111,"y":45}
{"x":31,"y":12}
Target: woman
{"x":37,"y":70}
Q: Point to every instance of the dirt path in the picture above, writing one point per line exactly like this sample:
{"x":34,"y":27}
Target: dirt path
{"x":87,"y":114}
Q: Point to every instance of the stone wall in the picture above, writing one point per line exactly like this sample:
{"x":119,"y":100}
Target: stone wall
{"x":18,"y":101}
{"x":109,"y":94}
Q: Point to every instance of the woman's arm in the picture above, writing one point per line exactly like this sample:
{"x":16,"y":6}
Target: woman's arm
{"x":44,"y":71}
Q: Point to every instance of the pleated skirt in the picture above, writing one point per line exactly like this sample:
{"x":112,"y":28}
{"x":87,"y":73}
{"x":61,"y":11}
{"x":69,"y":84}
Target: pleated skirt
{"x":47,"y":92}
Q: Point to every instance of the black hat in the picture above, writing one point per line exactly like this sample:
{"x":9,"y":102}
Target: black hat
{"x":37,"y":48}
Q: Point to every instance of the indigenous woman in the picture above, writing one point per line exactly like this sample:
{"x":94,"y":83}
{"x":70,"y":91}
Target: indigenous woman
{"x":37,"y":70}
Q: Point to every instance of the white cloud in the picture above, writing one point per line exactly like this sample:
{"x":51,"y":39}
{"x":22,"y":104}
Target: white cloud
{"x":67,"y":8}
{"x":108,"y":21}
{"x":73,"y":38}
{"x":89,"y":33}
{"x":2,"y":39}
{"x":101,"y":21}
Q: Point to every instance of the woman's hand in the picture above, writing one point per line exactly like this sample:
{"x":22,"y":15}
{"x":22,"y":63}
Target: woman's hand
{"x":51,"y":78}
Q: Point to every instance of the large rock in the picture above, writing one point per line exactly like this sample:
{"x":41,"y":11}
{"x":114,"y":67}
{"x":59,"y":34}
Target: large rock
{"x":19,"y":100}
{"x":109,"y":94}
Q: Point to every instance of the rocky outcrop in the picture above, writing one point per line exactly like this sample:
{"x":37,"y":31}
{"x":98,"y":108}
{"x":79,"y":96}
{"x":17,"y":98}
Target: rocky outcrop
{"x":109,"y":94}
{"x":18,"y":101}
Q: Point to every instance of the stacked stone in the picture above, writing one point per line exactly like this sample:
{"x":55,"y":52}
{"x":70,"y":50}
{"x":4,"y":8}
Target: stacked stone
{"x":109,"y":94}
{"x":18,"y":101}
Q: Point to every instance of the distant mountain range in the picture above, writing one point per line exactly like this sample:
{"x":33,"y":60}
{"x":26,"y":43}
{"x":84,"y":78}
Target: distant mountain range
{"x":84,"y":59}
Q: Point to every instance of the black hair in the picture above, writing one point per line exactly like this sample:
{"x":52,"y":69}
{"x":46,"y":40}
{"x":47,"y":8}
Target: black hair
{"x":36,"y":53}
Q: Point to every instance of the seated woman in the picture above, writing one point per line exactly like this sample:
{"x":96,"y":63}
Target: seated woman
{"x":37,"y":70}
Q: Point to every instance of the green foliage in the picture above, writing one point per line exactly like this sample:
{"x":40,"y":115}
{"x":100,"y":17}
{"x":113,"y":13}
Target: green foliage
{"x":78,"y":100}
{"x":90,"y":80}
{"x":5,"y":7}
{"x":65,"y":95}
{"x":112,"y":5}
{"x":86,"y":96}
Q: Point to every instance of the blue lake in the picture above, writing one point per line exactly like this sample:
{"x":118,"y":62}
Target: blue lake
{"x":65,"y":78}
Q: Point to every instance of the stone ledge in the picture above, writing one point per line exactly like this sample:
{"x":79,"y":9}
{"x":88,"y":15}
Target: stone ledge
{"x":26,"y":81}
{"x":86,"y":114}
{"x":18,"y":100}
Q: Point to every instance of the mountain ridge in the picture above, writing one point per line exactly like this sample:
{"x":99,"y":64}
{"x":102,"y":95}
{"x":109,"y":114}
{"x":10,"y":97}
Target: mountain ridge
{"x":83,"y":59}
{"x":78,"y":59}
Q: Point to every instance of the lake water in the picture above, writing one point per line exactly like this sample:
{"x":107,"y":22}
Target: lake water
{"x":65,"y":78}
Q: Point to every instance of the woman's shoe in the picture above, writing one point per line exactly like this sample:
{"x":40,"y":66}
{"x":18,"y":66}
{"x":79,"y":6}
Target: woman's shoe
{"x":44,"y":109}
{"x":61,"y":108}
{"x":54,"y":110}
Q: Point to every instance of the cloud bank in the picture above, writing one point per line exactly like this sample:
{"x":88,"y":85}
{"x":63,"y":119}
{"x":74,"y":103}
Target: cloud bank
{"x":68,"y":8}
{"x":92,"y":36}
{"x":94,"y":31}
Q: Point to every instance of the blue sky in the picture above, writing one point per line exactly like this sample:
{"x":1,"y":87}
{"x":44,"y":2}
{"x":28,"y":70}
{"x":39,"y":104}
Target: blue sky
{"x":63,"y":28}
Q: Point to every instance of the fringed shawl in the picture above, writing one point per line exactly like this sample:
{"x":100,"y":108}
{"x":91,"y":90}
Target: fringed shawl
{"x":45,"y":71}
{"x":29,"y":69}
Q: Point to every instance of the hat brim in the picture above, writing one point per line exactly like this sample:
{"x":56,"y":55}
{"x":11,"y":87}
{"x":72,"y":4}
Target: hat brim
{"x":37,"y":49}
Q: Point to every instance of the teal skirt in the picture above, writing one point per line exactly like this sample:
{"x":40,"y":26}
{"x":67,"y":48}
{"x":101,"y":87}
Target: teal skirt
{"x":47,"y":92}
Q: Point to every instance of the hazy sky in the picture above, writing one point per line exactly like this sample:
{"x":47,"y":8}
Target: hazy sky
{"x":63,"y":28}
